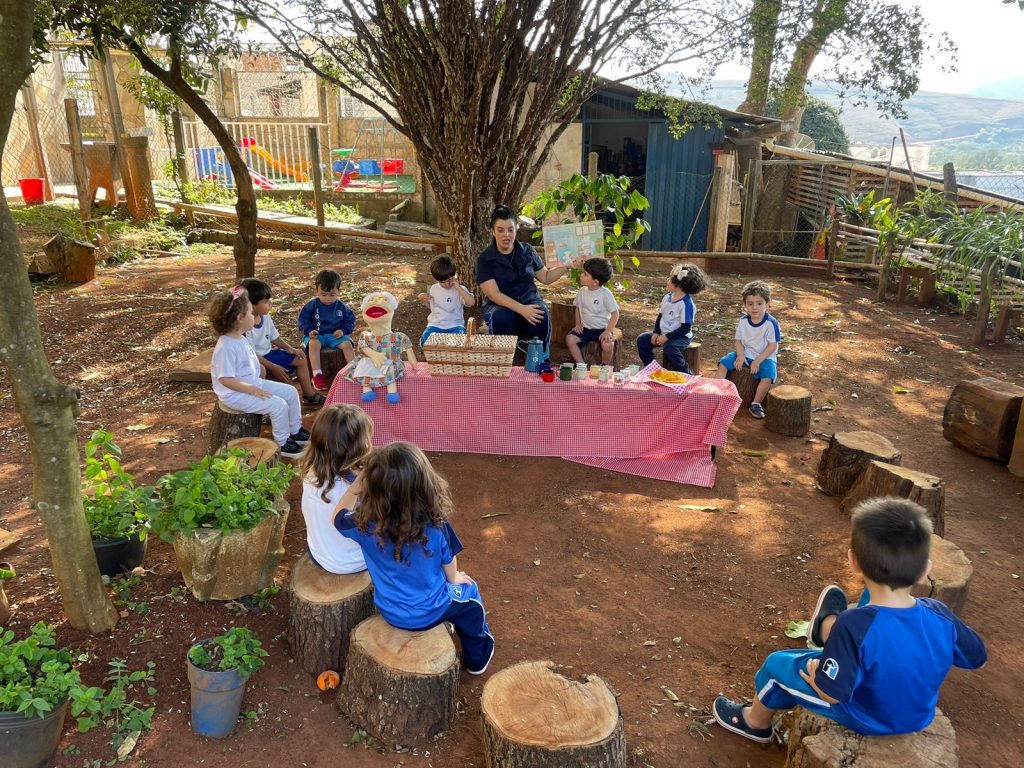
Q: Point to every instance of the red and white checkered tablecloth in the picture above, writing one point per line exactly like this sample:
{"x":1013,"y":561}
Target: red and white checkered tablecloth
{"x":641,"y":429}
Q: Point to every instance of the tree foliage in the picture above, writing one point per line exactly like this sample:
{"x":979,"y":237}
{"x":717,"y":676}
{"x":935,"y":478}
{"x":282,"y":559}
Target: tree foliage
{"x":822,"y":122}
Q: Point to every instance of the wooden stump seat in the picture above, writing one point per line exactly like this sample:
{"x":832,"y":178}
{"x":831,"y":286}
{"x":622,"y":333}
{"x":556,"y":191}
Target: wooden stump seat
{"x":1008,"y":315}
{"x":533,"y":716}
{"x":323,"y":609}
{"x":881,"y":479}
{"x":746,"y":385}
{"x":398,"y":686}
{"x":788,"y":410}
{"x":331,"y":361}
{"x":592,"y":351}
{"x":981,"y":417}
{"x":950,"y":577}
{"x":261,"y":450}
{"x":926,"y":293}
{"x":227,"y":424}
{"x":817,"y":742}
{"x":848,"y":455}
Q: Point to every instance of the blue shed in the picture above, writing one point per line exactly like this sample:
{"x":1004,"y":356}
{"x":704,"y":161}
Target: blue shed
{"x":674,"y":174}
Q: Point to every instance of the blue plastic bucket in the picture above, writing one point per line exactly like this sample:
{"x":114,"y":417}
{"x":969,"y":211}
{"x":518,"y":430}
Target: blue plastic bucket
{"x":216,"y":700}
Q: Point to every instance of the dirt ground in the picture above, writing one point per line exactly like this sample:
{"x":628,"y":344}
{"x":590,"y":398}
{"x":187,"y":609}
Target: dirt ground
{"x":601,"y":573}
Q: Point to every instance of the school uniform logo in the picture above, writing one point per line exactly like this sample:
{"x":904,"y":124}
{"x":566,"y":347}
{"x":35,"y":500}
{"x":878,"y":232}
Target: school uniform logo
{"x":830,"y":668}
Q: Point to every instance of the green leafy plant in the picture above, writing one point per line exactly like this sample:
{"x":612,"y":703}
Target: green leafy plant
{"x":7,"y":572}
{"x":116,"y":708}
{"x":238,"y":649}
{"x":123,"y":587}
{"x":115,"y":507}
{"x":345,"y":214}
{"x":35,"y":675}
{"x":220,"y":492}
{"x":861,"y":208}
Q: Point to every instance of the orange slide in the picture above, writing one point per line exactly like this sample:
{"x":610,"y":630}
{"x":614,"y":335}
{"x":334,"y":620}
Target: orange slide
{"x":299,"y":172}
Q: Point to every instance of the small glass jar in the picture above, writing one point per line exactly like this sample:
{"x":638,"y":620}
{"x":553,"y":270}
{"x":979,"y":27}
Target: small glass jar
{"x":602,"y":374}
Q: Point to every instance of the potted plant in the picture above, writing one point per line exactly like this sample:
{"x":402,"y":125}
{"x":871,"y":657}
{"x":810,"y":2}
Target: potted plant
{"x":117,"y":510}
{"x":36,"y":682}
{"x":217,"y":671}
{"x":6,"y":573}
{"x":226,"y":521}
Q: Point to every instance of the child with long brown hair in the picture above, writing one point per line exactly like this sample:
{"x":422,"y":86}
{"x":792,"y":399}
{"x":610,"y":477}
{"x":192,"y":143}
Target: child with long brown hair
{"x":235,"y":373}
{"x":400,"y":520}
{"x":338,"y":443}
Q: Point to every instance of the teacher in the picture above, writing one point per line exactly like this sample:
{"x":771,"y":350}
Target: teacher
{"x":507,"y":273}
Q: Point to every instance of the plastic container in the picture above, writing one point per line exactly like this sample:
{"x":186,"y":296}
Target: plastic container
{"x":216,"y":700}
{"x":394,"y":165}
{"x":581,"y":371}
{"x":565,"y":372}
{"x":115,"y":556}
{"x":29,"y":742}
{"x":369,"y":168}
{"x":547,"y":375}
{"x":32,"y":191}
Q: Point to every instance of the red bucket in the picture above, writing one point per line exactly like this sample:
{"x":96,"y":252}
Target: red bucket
{"x":32,"y":191}
{"x":394,"y":165}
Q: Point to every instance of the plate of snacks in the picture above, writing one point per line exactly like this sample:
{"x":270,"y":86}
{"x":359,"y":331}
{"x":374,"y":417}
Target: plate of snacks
{"x":672,"y":379}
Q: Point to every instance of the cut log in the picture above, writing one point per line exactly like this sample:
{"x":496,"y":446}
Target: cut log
{"x":950,"y":577}
{"x":74,"y":260}
{"x":746,"y":385}
{"x":592,"y":351}
{"x":534,"y":717}
{"x":881,"y":479}
{"x":848,"y":455}
{"x":981,"y":417}
{"x":400,"y":687}
{"x":324,"y":608}
{"x":227,"y":424}
{"x":788,"y":410}
{"x":817,"y":742}
{"x":261,"y":450}
{"x":692,"y":356}
{"x":1016,"y":465}
{"x":331,"y":361}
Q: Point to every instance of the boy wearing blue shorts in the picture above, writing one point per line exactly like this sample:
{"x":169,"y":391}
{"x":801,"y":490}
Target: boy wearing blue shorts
{"x":326,"y":323}
{"x":757,"y":343}
{"x":280,"y":360}
{"x":597,"y":312}
{"x":446,"y":300}
{"x":880,"y":665}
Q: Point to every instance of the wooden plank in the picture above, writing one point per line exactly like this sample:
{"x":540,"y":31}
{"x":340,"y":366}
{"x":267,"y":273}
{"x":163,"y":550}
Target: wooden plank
{"x":8,"y":538}
{"x":78,"y":159}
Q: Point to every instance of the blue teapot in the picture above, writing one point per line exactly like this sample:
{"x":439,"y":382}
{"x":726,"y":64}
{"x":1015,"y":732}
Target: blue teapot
{"x":535,"y":355}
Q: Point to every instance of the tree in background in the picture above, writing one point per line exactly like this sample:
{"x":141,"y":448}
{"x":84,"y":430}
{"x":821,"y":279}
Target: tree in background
{"x":196,"y":35}
{"x":47,"y":407}
{"x":483,"y":89}
{"x":822,"y":122}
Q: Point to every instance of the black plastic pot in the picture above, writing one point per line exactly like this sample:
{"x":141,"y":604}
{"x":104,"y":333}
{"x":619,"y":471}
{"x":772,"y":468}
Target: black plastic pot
{"x":115,"y":556}
{"x":29,"y":742}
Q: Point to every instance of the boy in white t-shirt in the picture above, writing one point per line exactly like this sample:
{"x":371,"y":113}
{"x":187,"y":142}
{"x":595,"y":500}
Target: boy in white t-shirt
{"x":757,"y":343}
{"x":280,"y":359}
{"x":597,"y":312}
{"x":446,"y":300}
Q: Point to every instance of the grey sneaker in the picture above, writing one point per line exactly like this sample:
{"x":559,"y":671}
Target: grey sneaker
{"x":831,"y":602}
{"x":301,"y":437}
{"x":757,"y":410}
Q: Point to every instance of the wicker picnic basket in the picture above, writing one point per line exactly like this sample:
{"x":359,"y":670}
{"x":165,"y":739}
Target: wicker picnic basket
{"x":470,"y":354}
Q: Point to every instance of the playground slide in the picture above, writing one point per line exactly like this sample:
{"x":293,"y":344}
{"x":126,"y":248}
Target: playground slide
{"x":298,"y":172}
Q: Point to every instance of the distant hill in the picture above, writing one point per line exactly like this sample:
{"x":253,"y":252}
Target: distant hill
{"x":1004,"y":89}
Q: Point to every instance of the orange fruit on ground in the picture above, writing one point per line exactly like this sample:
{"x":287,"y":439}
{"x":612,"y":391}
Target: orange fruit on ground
{"x":328,"y":680}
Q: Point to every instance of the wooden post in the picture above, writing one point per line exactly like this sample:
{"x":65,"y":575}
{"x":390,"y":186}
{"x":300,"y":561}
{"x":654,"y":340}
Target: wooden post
{"x":230,"y":98}
{"x":985,"y":299}
{"x":28,"y":96}
{"x":833,"y":243}
{"x":718,"y":213}
{"x":180,"y":162}
{"x":592,"y":165}
{"x":109,"y":87}
{"x":78,"y":159}
{"x":949,"y":185}
{"x":883,"y":275}
{"x":910,"y":168}
{"x":749,"y":203}
{"x":318,"y":182}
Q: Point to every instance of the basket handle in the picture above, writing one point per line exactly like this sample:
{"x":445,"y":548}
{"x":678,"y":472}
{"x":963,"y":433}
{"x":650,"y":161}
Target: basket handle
{"x":470,"y":332}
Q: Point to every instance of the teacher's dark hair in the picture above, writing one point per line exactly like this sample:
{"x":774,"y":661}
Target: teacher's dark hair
{"x":502,"y":213}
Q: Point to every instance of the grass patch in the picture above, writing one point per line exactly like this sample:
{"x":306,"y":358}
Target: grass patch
{"x":51,"y":218}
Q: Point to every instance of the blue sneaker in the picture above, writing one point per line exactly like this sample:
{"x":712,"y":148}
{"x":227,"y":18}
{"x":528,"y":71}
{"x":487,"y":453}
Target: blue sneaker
{"x":368,"y":397}
{"x":729,"y":715}
{"x":831,"y":602}
{"x":394,"y":398}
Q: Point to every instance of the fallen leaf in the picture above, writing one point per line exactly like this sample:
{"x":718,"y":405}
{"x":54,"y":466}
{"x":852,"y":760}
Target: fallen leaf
{"x":578,"y":575}
{"x":650,"y":642}
{"x":138,"y":427}
{"x":901,"y":391}
{"x":670,"y":696}
{"x":697,"y":507}
{"x":494,"y":514}
{"x":825,"y":407}
{"x":128,"y":744}
{"x":536,"y":562}
{"x":798,"y":628}
{"x":755,"y":454}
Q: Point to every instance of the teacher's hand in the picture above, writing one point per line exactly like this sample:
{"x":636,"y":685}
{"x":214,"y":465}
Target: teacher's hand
{"x":532,"y":313}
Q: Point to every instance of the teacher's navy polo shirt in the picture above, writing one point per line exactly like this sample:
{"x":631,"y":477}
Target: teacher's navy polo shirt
{"x":513,"y":273}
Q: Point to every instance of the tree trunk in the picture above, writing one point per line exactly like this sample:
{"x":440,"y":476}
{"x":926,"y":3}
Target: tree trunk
{"x":981,"y":417}
{"x":764,"y":22}
{"x":227,"y":424}
{"x":848,"y":455}
{"x":245,"y":206}
{"x":47,"y":407}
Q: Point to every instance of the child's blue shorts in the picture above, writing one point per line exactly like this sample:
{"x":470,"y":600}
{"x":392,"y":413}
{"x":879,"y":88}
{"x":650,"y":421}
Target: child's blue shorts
{"x":430,"y":329}
{"x":327,"y":341}
{"x":588,"y":335}
{"x":766,"y":370}
{"x":283,"y":358}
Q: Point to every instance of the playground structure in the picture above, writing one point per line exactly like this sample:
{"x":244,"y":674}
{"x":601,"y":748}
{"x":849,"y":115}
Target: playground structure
{"x":351,"y":172}
{"x":210,"y":164}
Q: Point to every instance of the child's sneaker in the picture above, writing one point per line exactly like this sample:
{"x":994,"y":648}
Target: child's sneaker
{"x":301,"y":437}
{"x":729,"y":715}
{"x":291,"y":449}
{"x":319,"y":382}
{"x":757,"y":410}
{"x":831,"y":602}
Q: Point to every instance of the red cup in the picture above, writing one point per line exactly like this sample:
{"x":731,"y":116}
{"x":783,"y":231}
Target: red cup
{"x":547,"y":376}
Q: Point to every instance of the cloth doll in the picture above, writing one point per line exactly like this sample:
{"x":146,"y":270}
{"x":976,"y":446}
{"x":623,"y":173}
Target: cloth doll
{"x":378,"y":359}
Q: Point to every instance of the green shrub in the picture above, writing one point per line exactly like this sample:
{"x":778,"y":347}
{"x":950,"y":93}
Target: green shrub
{"x":115,"y":507}
{"x":36,"y":676}
{"x":237,"y":649}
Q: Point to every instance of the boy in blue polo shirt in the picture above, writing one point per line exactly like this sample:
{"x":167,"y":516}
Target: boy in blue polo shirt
{"x":757,"y":343}
{"x":882,"y":663}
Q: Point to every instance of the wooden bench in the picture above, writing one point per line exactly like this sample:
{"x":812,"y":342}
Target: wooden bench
{"x":915,"y":269}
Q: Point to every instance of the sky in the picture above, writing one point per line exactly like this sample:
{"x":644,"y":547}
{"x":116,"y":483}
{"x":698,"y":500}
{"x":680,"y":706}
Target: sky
{"x":987,"y":33}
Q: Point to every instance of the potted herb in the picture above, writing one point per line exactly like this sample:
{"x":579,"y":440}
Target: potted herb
{"x":226,"y":521}
{"x":36,"y":682}
{"x":217,"y":671}
{"x":117,"y":510}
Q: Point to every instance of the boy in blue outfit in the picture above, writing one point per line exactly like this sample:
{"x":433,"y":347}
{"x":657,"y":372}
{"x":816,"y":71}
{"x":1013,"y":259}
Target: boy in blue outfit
{"x":882,"y":663}
{"x":757,"y":343}
{"x":326,"y":322}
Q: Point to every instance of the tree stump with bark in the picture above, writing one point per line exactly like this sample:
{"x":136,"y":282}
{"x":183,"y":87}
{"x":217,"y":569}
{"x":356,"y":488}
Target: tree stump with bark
{"x":788,"y":410}
{"x":692,"y":356}
{"x":533,"y":717}
{"x":950,"y":577}
{"x":324,"y":608}
{"x":881,"y":479}
{"x":74,"y":260}
{"x":261,"y":450}
{"x":1016,"y":465}
{"x":400,"y":687}
{"x":817,"y":742}
{"x":227,"y":424}
{"x":981,"y":417}
{"x":746,"y":385}
{"x":331,"y":361}
{"x":848,"y":455}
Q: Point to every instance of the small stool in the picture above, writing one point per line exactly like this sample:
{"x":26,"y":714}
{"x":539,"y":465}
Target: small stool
{"x":745,"y":383}
{"x":692,"y":357}
{"x":592,"y":351}
{"x":926,"y":294}
{"x":227,"y":424}
{"x":1008,"y":314}
{"x":400,"y":687}
{"x":788,"y":410}
{"x":323,"y":609}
